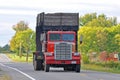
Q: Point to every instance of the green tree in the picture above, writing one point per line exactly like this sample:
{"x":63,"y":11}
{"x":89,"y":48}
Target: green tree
{"x":0,"y":49}
{"x":23,"y":40}
{"x":6,"y":48}
{"x":16,"y":43}
{"x":101,"y":37}
{"x":83,"y":20}
{"x":113,"y":39}
{"x":92,"y":20}
{"x":98,"y":39}
{"x":28,"y":37}
{"x":117,"y":42}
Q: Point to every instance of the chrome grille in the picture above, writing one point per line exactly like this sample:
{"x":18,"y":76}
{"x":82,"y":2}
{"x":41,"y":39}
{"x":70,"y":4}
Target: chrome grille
{"x":63,"y":51}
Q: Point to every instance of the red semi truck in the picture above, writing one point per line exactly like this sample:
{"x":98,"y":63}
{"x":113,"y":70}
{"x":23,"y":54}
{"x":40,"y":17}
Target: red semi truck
{"x":56,"y":42}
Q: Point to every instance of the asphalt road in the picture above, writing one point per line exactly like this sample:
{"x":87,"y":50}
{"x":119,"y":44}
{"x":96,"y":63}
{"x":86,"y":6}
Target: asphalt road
{"x":24,"y":71}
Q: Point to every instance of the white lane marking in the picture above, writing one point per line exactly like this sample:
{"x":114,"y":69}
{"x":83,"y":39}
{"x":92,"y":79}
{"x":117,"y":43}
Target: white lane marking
{"x":18,"y":71}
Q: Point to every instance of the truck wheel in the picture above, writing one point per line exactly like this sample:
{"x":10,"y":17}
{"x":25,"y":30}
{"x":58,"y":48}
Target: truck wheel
{"x":47,"y":66}
{"x":36,"y":65}
{"x":77,"y":68}
{"x":43,"y":67}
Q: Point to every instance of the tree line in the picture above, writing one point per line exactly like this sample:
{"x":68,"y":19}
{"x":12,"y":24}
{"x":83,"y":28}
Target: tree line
{"x":101,"y":33}
{"x":5,"y":49}
{"x":98,"y":39}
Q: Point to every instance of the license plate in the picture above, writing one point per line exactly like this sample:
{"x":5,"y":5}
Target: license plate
{"x":73,"y":62}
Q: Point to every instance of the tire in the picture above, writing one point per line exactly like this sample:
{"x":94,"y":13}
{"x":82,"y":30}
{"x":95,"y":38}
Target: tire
{"x":77,"y":68}
{"x":43,"y":67}
{"x":47,"y":67}
{"x":36,"y":65}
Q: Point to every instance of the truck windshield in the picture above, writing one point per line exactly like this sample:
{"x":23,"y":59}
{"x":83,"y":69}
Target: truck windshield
{"x":54,"y":37}
{"x":68,"y":37}
{"x":61,"y":37}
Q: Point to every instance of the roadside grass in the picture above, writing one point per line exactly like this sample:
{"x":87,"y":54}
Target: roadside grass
{"x":4,"y":76}
{"x":16,"y":58}
{"x":100,"y":68}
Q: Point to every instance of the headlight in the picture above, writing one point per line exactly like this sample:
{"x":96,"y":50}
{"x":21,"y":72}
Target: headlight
{"x":48,"y":54}
{"x":76,"y":54}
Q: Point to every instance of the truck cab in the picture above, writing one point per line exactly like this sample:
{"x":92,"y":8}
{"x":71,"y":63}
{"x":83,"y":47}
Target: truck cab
{"x":61,"y":50}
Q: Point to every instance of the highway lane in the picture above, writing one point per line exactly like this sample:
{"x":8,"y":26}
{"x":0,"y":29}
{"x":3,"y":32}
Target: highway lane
{"x":54,"y":74}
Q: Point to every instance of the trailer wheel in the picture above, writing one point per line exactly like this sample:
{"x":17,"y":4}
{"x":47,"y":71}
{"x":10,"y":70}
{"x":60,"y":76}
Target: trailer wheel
{"x":77,"y":68}
{"x":47,"y":66}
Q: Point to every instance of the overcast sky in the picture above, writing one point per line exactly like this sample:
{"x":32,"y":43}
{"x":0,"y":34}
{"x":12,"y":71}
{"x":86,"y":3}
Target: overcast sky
{"x":13,"y":11}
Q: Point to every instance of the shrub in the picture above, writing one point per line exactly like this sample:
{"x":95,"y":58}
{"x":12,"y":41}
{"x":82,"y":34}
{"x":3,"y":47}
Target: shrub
{"x":110,"y":64}
{"x":118,"y":67}
{"x":85,"y":58}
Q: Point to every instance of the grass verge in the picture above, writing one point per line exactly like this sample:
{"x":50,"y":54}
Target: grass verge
{"x":4,"y":76}
{"x":99,"y":68}
{"x":16,"y":58}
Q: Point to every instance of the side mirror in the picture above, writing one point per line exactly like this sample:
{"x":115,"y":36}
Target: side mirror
{"x":81,"y":39}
